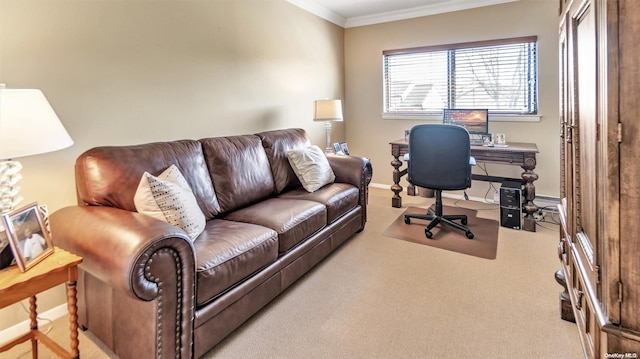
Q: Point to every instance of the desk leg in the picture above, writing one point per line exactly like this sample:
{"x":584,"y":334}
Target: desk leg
{"x":72,"y":304}
{"x":396,"y":188}
{"x":529,"y":193}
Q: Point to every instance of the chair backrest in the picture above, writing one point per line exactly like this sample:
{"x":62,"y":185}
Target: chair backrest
{"x":439,"y":157}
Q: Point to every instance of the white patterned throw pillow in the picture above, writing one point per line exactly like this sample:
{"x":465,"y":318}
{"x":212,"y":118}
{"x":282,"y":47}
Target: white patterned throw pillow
{"x":311,"y":166}
{"x":168,"y":197}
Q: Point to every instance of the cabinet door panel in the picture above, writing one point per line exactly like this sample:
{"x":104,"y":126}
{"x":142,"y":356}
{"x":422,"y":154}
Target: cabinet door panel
{"x":585,"y":141}
{"x":629,"y":22}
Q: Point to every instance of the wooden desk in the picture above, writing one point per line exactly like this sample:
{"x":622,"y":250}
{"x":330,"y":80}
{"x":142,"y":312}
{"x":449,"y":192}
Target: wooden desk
{"x":516,"y":154}
{"x":60,"y":267}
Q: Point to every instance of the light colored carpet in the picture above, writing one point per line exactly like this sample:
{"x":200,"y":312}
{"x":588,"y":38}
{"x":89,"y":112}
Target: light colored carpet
{"x":378,"y":297}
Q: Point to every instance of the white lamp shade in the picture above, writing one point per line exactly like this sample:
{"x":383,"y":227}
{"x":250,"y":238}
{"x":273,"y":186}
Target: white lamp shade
{"x":328,"y":110}
{"x":28,"y":125}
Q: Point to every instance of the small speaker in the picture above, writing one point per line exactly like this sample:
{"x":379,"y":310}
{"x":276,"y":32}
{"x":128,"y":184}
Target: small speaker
{"x":511,"y":204}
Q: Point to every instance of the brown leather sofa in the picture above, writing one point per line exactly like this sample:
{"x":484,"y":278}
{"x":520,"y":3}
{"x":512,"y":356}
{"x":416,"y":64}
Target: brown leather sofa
{"x":147,"y":291}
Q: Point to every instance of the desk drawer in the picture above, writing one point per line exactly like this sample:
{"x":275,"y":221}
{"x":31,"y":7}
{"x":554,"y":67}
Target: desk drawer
{"x":498,"y":157}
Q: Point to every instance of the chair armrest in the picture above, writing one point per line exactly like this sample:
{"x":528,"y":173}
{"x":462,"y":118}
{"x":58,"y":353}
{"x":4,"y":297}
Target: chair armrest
{"x":118,"y":246}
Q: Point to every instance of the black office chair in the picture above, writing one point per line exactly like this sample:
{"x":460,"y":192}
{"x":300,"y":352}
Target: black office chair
{"x":440,"y":159}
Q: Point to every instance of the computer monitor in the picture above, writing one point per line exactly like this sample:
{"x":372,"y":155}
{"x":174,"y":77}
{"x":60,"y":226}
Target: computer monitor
{"x":476,"y":121}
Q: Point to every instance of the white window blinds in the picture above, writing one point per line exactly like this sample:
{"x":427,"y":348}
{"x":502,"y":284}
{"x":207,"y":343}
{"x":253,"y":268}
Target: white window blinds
{"x":500,"y":75}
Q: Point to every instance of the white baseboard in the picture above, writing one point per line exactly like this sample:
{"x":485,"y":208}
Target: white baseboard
{"x":380,"y":185}
{"x":43,"y":319}
{"x":547,"y":202}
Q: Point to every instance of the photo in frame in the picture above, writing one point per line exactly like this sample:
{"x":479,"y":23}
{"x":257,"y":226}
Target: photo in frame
{"x":338,"y":149}
{"x":345,"y":149}
{"x":28,"y":236}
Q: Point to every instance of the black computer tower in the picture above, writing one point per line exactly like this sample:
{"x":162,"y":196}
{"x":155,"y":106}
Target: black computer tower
{"x":511,"y":204}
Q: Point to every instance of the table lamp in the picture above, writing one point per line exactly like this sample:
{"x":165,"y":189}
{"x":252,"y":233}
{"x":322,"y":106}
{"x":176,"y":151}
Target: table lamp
{"x":328,"y":111}
{"x":28,"y":126}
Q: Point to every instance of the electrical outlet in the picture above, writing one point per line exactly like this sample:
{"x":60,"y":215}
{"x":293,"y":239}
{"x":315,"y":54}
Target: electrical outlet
{"x":496,"y":196}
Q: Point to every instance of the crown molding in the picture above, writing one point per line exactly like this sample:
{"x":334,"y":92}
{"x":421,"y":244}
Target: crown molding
{"x":439,"y":8}
{"x":420,"y":11}
{"x":320,"y":11}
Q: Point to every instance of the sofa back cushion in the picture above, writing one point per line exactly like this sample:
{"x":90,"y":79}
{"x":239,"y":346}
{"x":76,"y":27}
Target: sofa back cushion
{"x":109,"y":175}
{"x":239,"y":169}
{"x":276,"y":144}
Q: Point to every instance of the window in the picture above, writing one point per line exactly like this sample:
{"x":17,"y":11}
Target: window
{"x":500,"y":75}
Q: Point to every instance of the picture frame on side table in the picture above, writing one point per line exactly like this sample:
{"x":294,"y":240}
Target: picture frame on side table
{"x":28,"y":236}
{"x":345,"y":148}
{"x":337,"y":148}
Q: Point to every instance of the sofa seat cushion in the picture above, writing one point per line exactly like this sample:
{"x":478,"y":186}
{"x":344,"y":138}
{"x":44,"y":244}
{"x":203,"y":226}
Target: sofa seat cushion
{"x":228,"y":252}
{"x":294,"y":220}
{"x":339,"y":198}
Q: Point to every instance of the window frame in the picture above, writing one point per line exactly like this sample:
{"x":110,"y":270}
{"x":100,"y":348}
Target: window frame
{"x":437,"y":115}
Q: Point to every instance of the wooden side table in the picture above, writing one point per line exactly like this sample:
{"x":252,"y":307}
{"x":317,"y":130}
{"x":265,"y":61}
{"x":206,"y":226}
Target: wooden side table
{"x":60,"y":267}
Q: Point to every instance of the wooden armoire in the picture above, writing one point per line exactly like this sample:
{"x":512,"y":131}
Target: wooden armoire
{"x":599,"y":245}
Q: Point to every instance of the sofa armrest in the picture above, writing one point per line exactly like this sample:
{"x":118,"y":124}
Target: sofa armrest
{"x":118,"y":246}
{"x":137,"y":257}
{"x":354,"y":170}
{"x":357,"y":171}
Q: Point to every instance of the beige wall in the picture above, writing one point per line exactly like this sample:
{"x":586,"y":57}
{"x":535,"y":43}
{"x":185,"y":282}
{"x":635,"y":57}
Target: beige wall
{"x":125,"y":72}
{"x":369,"y":135}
